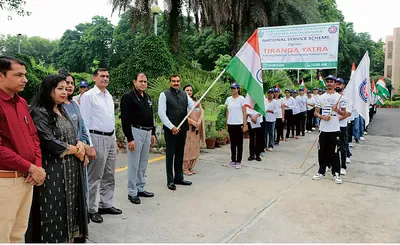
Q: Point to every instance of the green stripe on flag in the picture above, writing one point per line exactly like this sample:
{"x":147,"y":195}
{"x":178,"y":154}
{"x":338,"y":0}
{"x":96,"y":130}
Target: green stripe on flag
{"x":243,"y":77}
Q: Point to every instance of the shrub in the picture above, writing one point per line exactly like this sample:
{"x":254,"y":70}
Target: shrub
{"x":396,"y":97}
{"x":220,"y":124}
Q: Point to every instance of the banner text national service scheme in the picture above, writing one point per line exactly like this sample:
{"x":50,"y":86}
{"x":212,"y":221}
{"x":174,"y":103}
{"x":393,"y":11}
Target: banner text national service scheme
{"x":313,"y":46}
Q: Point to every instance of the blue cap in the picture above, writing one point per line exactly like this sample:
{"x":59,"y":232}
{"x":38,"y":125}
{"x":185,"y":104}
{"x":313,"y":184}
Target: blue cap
{"x":83,"y":84}
{"x":315,"y":88}
{"x":330,"y":77}
{"x":301,"y":89}
{"x":287,"y":90}
{"x":294,"y":91}
{"x":340,"y":80}
{"x":270,"y":90}
{"x":308,"y":91}
{"x":235,"y":85}
{"x":277,"y":90}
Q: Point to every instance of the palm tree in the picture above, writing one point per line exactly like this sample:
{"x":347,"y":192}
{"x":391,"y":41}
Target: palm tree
{"x":242,"y":17}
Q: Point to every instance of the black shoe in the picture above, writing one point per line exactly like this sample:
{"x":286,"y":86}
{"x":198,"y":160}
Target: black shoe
{"x":145,"y":194}
{"x":171,"y":186}
{"x":111,"y":210}
{"x":96,"y":218}
{"x":258,"y":159}
{"x":182,"y":182}
{"x":134,"y":200}
{"x":251,"y":158}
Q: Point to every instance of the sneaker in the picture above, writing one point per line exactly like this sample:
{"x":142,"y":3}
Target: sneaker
{"x":328,"y":168}
{"x":312,"y":129}
{"x":362,"y":138}
{"x":357,"y":141}
{"x":337,"y":179}
{"x":238,"y":165}
{"x":348,"y":160}
{"x":351,"y":144}
{"x":270,"y":149}
{"x":262,"y":154}
{"x":231,"y":164}
{"x":365,"y":132}
{"x":318,"y":176}
{"x":343,"y":171}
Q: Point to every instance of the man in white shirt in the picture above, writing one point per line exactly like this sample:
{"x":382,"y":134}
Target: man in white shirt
{"x":343,"y":148}
{"x":97,"y":109}
{"x":83,"y":88}
{"x":172,"y":109}
{"x":328,"y":110}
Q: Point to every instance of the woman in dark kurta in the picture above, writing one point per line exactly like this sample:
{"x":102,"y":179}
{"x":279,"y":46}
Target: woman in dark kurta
{"x":58,"y":211}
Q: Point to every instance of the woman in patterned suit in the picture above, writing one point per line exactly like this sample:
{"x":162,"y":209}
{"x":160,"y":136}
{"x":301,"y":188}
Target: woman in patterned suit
{"x":58,"y":211}
{"x":195,"y":134}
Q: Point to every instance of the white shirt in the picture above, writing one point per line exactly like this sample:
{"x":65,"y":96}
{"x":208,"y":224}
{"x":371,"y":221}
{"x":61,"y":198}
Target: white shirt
{"x":311,"y":101}
{"x":97,"y":109}
{"x":279,"y":112}
{"x":253,"y":112}
{"x":325,"y":103}
{"x":272,"y":106}
{"x":316,"y":97}
{"x":235,"y":116}
{"x":162,"y":110}
{"x":288,"y":102}
{"x":296,"y":105}
{"x":303,"y":103}
{"x":349,"y":108}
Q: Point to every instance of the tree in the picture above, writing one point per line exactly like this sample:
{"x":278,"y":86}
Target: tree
{"x":14,"y":6}
{"x":39,"y":48}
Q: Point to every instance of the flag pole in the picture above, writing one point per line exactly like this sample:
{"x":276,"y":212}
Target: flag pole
{"x":311,"y":76}
{"x":298,"y":76}
{"x":208,"y":90}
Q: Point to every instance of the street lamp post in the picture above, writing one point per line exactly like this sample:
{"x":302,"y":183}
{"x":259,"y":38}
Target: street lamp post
{"x":155,"y":9}
{"x":19,"y":43}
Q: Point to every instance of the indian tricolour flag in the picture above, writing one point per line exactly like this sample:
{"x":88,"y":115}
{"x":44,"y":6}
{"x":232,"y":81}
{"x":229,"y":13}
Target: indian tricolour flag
{"x":245,"y":68}
{"x":382,"y":91}
{"x":303,"y":86}
{"x":321,"y":81}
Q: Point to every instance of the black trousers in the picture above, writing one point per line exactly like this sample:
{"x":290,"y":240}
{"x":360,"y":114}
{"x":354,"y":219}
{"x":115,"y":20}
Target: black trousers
{"x":289,"y":119}
{"x":175,"y":146}
{"x":257,"y":142}
{"x":328,"y":154}
{"x":297,"y":119}
{"x":350,"y":131}
{"x":279,"y":130}
{"x":302,"y":118}
{"x":310,"y":118}
{"x":236,"y":136}
{"x":342,"y":147}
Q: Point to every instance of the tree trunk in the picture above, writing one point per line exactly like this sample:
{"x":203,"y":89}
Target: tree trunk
{"x":174,"y":25}
{"x":197,"y":21}
{"x":237,"y":26}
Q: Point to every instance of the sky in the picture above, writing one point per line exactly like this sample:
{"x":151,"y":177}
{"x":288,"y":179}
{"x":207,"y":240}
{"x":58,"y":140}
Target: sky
{"x":50,"y":18}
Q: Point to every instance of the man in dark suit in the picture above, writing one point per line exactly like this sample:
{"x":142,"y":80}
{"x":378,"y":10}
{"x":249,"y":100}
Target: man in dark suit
{"x":172,"y":109}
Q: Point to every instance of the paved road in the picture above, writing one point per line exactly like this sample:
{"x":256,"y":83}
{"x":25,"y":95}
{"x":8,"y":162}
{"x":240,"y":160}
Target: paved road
{"x":386,"y":123}
{"x":269,"y":201}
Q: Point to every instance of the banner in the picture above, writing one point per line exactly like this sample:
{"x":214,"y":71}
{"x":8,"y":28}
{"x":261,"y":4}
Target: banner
{"x":313,"y":46}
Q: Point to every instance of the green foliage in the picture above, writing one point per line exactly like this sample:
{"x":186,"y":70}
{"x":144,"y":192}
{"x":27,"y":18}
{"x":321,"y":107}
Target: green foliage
{"x":396,"y":97}
{"x":394,"y":104}
{"x":272,"y":77}
{"x":35,"y":74}
{"x":220,"y":123}
{"x":14,"y":6}
{"x":211,"y":133}
{"x":119,"y":133}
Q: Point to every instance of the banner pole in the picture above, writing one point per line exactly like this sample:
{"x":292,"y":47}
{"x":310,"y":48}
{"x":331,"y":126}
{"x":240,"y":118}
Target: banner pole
{"x":208,"y":90}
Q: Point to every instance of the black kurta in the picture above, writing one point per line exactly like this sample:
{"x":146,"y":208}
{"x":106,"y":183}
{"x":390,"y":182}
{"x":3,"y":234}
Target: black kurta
{"x":58,"y":211}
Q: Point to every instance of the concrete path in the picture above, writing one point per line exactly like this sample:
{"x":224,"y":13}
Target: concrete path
{"x":269,"y":201}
